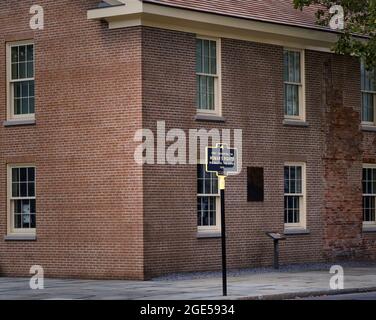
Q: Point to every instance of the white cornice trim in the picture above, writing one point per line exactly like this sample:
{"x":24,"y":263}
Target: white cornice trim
{"x":135,"y":12}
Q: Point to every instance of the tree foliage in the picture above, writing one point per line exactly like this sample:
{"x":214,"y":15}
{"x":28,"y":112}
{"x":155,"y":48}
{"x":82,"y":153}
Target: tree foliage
{"x":358,"y":38}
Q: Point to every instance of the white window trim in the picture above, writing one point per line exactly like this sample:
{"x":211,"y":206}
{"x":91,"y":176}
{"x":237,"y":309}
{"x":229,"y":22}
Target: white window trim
{"x":218,"y":80}
{"x":303,"y":204}
{"x":217,"y":227}
{"x":368,"y":223}
{"x":302,"y":90}
{"x":11,"y":231}
{"x":10,"y":100}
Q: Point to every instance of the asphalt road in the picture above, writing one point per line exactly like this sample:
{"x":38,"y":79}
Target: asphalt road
{"x":352,"y":296}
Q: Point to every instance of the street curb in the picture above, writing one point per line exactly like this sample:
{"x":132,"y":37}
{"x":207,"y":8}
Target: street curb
{"x":307,"y":294}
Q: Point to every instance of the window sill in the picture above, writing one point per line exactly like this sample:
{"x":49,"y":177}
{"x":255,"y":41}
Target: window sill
{"x":210,"y":118}
{"x":369,"y":128}
{"x":205,"y":235}
{"x":295,"y":123}
{"x":20,"y":237}
{"x":369,"y":229}
{"x":12,"y":123}
{"x":296,"y":231}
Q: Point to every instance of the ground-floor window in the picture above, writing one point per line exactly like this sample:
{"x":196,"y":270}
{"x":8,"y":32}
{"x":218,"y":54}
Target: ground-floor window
{"x":369,"y":194}
{"x":208,"y":200}
{"x":294,"y":195}
{"x":21,"y":199}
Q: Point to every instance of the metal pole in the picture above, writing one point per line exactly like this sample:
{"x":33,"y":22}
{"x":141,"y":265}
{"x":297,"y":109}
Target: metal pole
{"x":276,"y":254}
{"x":223,"y":228}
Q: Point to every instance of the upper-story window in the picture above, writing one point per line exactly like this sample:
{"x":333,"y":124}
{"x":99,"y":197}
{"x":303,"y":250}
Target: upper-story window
{"x":20,"y":77}
{"x":208,"y":71}
{"x":368,"y":86}
{"x":294,"y":96}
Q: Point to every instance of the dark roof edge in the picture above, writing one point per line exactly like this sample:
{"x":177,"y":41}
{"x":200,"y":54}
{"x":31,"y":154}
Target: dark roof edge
{"x":318,"y":28}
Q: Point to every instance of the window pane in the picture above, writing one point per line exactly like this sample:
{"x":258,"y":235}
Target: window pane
{"x":32,"y":221}
{"x":22,"y":70}
{"x":369,"y":181}
{"x":292,"y":72}
{"x":17,"y":221}
{"x":199,"y":67}
{"x":213,"y":57}
{"x":17,"y":106}
{"x":24,"y":105}
{"x":291,"y":100}
{"x":32,"y":206}
{"x":31,"y":88}
{"x":24,"y":97}
{"x":15,"y":175}
{"x":30,"y":70}
{"x":292,"y":209}
{"x":17,"y":90}
{"x":21,"y":53}
{"x":23,"y":174}
{"x":25,"y":88}
{"x":14,"y":54}
{"x":206,"y":58}
{"x":31,"y":189}
{"x":368,"y":107}
{"x":31,"y":174}
{"x":298,"y":179}
{"x":368,"y":79}
{"x":31,"y":105}
{"x":286,"y":180}
{"x":206,"y":215}
{"x":369,"y":209}
{"x":293,"y":180}
{"x":15,"y":190}
{"x":23,"y":189}
{"x":30,"y":52}
{"x":15,"y":71}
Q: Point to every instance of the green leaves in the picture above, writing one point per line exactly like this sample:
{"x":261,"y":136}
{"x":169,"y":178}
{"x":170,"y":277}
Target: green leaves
{"x":359,"y":35}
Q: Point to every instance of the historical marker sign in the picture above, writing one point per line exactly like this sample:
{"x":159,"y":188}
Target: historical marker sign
{"x":222,"y":160}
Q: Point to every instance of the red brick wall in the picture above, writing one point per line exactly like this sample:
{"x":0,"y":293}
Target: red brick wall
{"x":252,"y":101}
{"x":102,"y":216}
{"x":88,"y":106}
{"x":346,"y":149}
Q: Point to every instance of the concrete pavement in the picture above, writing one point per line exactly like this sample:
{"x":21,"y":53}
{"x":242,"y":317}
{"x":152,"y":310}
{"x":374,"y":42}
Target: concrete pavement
{"x":242,"y":285}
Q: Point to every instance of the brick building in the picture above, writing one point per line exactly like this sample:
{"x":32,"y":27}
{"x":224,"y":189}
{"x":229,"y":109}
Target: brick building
{"x":72,"y":197}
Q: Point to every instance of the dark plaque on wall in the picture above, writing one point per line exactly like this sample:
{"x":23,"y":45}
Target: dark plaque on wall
{"x":255,"y":184}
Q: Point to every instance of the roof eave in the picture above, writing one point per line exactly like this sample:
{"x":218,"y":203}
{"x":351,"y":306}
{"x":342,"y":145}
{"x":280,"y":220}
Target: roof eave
{"x":150,"y":13}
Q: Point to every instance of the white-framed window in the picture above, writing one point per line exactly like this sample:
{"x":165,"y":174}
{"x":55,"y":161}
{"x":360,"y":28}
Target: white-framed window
{"x":368,"y":87}
{"x":20,"y":80}
{"x":208,"y":75}
{"x":21,"y":199}
{"x":294,"y":84}
{"x":369,"y":194}
{"x":208,"y":201}
{"x":294,"y":195}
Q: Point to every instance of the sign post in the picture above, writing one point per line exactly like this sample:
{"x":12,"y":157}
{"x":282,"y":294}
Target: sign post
{"x":223,"y":235}
{"x":222,"y":161}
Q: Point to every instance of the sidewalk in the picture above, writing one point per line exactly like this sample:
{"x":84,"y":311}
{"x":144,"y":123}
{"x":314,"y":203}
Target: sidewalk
{"x":244,"y":284}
